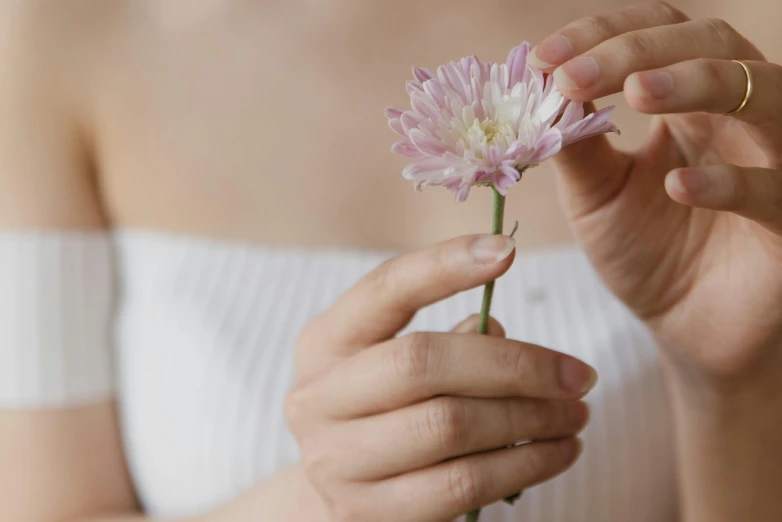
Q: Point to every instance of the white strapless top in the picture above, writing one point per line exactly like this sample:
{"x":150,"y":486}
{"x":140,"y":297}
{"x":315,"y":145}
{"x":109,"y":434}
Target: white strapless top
{"x":203,"y":334}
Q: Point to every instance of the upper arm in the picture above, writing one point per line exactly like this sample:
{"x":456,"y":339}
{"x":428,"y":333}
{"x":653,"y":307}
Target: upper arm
{"x":45,"y":168}
{"x":61,"y":455}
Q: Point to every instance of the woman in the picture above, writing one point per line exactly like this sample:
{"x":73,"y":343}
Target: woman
{"x":188,"y":151}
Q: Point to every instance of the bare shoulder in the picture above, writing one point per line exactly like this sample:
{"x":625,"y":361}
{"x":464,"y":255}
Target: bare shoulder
{"x":47,"y":50}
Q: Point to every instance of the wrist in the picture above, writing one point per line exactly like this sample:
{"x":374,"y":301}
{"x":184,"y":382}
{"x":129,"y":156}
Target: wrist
{"x":729,"y":452}
{"x":283,"y":497}
{"x":724,"y":392}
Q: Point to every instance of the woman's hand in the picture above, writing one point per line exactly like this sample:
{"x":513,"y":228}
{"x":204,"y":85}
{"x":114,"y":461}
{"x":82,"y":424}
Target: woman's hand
{"x":688,"y":230}
{"x":416,"y":428}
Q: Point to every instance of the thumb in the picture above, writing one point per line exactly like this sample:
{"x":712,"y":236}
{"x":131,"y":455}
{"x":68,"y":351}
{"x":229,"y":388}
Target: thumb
{"x":590,"y":172}
{"x":470,"y":326}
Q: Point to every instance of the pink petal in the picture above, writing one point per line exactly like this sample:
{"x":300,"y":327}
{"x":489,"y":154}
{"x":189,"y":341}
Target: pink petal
{"x":424,"y":105}
{"x":462,"y":193}
{"x":550,"y":84}
{"x":422,"y":74}
{"x":593,"y":125}
{"x":598,"y":119}
{"x":506,"y":178}
{"x":414,"y":86}
{"x":499,"y":75}
{"x":406,"y":148}
{"x":517,"y":150}
{"x":435,"y":90}
{"x":452,"y":183}
{"x":536,"y":84}
{"x":510,"y":172}
{"x":426,"y":167}
{"x":573,"y":113}
{"x":451,"y":75}
{"x":396,"y":126}
{"x":482,"y":176}
{"x":411,"y":120}
{"x":517,"y":63}
{"x":393,"y":112}
{"x":426,"y":143}
{"x":467,"y":64}
{"x":494,"y":156}
{"x":547,"y":146}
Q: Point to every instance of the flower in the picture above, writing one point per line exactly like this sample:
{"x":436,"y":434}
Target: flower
{"x":477,"y":123}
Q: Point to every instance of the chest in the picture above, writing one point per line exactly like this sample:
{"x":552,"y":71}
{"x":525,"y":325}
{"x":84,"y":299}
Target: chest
{"x":264,"y":120}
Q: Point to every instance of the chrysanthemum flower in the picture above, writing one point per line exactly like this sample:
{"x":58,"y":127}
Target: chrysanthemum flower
{"x":477,"y":123}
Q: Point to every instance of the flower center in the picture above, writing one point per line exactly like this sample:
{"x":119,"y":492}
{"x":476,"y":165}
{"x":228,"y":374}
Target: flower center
{"x":487,"y":132}
{"x":490,"y":129}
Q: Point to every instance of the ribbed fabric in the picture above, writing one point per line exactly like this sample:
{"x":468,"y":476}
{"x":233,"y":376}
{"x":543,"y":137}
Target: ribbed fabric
{"x":56,"y":305}
{"x":205,"y":332}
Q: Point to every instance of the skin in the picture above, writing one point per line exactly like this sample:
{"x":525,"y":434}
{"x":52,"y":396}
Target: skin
{"x":93,"y":115}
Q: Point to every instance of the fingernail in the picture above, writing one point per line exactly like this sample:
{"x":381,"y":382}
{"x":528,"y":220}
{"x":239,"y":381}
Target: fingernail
{"x":492,"y":249}
{"x":654,"y":85}
{"x":576,"y":376}
{"x":577,"y":413}
{"x":577,"y":74}
{"x":552,"y":51}
{"x":688,"y":181}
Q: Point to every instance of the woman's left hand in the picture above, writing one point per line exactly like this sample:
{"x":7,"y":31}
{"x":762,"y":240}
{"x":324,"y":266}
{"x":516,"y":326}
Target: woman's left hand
{"x":688,"y":230}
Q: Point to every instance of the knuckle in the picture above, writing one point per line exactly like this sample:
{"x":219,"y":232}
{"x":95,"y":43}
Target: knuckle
{"x":672,"y":13}
{"x":712,"y":70}
{"x":776,"y":73}
{"x":349,"y":511}
{"x":464,"y":484}
{"x":307,"y":340}
{"x":740,"y":187}
{"x":539,"y":417}
{"x":538,"y":462}
{"x":412,"y":358}
{"x":599,"y":25}
{"x":446,"y":423}
{"x":774,"y":116}
{"x":637,"y":44}
{"x":348,"y":514}
{"x":517,"y":361}
{"x":317,"y":466}
{"x":380,"y":280}
{"x":294,"y":406}
{"x":723,"y":31}
{"x":776,"y":196}
{"x":441,"y":260}
{"x":436,"y":264}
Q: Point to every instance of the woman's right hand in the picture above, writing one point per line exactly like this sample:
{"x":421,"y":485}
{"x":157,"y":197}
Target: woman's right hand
{"x":417,"y":428}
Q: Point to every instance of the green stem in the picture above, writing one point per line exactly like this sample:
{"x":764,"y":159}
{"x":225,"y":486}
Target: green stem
{"x":498,"y":206}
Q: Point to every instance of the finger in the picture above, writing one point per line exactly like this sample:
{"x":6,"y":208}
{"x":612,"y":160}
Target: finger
{"x":446,"y":427}
{"x":586,"y":33}
{"x":453,"y":488}
{"x":470,"y":325}
{"x":602,"y":71}
{"x":385,"y":300}
{"x":424,"y":365}
{"x":753,"y":193}
{"x":714,"y":86}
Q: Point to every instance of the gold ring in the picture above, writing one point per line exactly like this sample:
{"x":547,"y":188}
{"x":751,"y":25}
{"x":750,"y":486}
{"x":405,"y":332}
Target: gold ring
{"x":750,"y":89}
